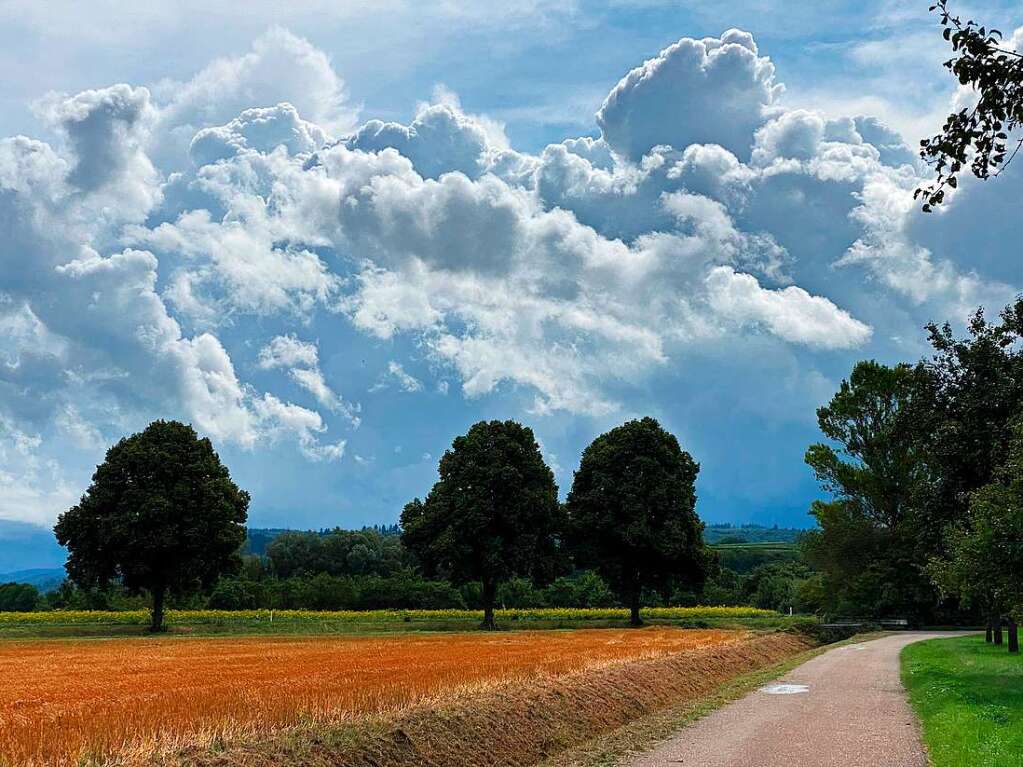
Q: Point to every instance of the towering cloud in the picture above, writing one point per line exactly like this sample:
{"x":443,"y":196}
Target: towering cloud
{"x":172,"y":253}
{"x":440,"y":140}
{"x":709,"y":91}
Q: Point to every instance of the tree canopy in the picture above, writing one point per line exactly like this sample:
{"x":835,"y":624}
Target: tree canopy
{"x":492,"y":515}
{"x":18,"y":597}
{"x":632,"y":512}
{"x":161,"y":515}
{"x":338,"y":552}
{"x":976,"y":390}
{"x":912,"y":451}
{"x":877,"y":464}
{"x":982,"y":562}
{"x":864,"y":542}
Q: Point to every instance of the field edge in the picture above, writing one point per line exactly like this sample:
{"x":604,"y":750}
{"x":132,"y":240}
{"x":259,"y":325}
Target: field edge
{"x":637,"y":737}
{"x":521,"y":723}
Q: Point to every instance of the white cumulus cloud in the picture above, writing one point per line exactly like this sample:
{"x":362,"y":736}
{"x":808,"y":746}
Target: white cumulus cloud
{"x":170,"y":232}
{"x":714,"y":90}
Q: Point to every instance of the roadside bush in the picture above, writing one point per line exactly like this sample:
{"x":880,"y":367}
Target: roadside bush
{"x":234,"y":594}
{"x":584,"y":589}
{"x":774,"y":586}
{"x":68,"y":596}
{"x":826,"y":634}
{"x":407,"y":592}
{"x":18,"y":597}
{"x":519,"y":592}
{"x":811,"y":594}
{"x":404,"y":591}
{"x":725,"y":588}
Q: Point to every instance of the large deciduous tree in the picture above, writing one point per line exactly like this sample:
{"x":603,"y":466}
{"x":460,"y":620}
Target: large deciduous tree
{"x":977,"y":389}
{"x":877,"y":462}
{"x":161,"y":515}
{"x":914,"y":446}
{"x":979,"y":136}
{"x":18,"y":597}
{"x":976,"y":384}
{"x":632,"y":513}
{"x":492,"y":515}
{"x":865,"y":543}
{"x":983,"y":558}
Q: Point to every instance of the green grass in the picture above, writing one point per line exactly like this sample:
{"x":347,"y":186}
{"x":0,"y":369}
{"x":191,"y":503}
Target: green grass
{"x":969,"y":697}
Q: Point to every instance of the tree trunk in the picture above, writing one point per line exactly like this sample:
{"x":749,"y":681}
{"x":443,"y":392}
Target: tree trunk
{"x":998,"y":630}
{"x":988,"y":633}
{"x":1013,"y":636}
{"x":489,"y":597}
{"x":634,"y":619}
{"x":156,"y":624}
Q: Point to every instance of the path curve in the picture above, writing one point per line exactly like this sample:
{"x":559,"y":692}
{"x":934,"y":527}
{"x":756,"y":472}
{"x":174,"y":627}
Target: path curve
{"x":853,"y":713}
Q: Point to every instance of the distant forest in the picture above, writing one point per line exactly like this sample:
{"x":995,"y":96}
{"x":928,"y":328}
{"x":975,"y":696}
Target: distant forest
{"x":260,"y":537}
{"x":332,"y":568}
{"x":728,"y":533}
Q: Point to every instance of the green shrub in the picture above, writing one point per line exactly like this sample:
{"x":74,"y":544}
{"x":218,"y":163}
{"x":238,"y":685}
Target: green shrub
{"x":18,"y":597}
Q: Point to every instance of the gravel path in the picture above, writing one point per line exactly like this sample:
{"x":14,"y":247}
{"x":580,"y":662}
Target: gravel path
{"x":844,"y":708}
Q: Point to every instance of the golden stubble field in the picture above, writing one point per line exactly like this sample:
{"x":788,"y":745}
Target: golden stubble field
{"x":63,"y":701}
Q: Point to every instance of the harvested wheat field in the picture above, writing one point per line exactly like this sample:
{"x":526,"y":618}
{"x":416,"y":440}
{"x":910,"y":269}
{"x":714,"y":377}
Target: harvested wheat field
{"x":128,"y":700}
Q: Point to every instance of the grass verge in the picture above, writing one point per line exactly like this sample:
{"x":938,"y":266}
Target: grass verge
{"x":617,"y":747}
{"x":969,"y":697}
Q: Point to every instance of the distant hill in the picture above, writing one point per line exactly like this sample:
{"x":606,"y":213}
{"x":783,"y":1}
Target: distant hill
{"x":727,"y":533}
{"x":745,"y":557}
{"x":743,"y":548}
{"x":43,"y":578}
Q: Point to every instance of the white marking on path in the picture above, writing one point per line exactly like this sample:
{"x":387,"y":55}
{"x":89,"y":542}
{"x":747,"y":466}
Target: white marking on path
{"x":785,"y":689}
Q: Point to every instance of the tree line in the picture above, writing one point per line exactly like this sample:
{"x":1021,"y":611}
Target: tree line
{"x":494,"y":514}
{"x":922,"y":468}
{"x":316,"y":570}
{"x":924,"y":463}
{"x":163,"y":518}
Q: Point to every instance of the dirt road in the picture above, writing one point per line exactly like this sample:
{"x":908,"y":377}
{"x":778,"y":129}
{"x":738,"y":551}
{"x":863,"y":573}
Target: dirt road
{"x":844,"y":708}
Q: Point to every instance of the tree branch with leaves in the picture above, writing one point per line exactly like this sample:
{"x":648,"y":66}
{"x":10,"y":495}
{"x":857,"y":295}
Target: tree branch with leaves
{"x":977,"y":138}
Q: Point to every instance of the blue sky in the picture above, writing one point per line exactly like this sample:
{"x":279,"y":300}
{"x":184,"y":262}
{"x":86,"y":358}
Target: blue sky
{"x":334,"y":236}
